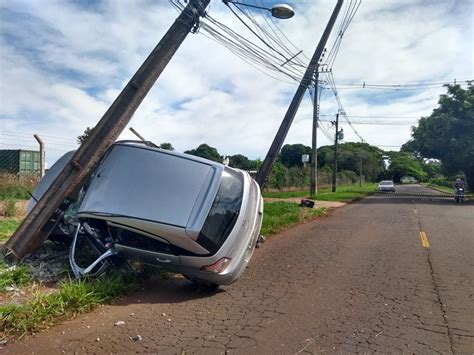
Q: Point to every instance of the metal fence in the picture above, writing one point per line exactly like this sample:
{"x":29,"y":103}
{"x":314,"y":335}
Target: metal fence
{"x":20,"y":151}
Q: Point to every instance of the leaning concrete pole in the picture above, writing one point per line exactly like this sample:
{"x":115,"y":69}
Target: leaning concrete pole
{"x":35,"y":228}
{"x":295,"y":103}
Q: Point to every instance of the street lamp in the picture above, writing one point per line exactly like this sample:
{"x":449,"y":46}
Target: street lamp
{"x":281,"y":11}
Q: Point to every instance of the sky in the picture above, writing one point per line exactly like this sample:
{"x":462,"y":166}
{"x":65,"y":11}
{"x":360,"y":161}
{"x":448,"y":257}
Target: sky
{"x":63,"y":63}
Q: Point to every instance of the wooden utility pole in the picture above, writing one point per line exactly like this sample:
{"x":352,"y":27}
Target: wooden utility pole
{"x":35,"y":228}
{"x":295,"y":102}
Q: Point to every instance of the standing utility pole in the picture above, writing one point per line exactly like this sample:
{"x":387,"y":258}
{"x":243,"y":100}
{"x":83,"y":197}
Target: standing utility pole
{"x":360,"y":171}
{"x":295,"y":103}
{"x":334,"y":167}
{"x":36,"y":227}
{"x":314,"y":150}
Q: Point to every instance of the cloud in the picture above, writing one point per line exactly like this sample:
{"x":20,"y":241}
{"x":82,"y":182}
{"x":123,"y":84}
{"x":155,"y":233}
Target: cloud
{"x":62,"y":65}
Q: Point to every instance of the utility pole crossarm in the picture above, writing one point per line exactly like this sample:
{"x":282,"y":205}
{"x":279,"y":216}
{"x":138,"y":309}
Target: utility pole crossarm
{"x":33,"y":231}
{"x":295,"y":102}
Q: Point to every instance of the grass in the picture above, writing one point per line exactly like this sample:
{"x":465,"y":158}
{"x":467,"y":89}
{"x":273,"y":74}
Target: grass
{"x":281,"y":215}
{"x":16,"y":276}
{"x":73,"y":297}
{"x":346,"y":193}
{"x":7,"y":227}
{"x":440,"y":188}
{"x":18,"y":192}
{"x":343,"y":193}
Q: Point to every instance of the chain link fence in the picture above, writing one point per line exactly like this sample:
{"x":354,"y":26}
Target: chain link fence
{"x":20,"y":161}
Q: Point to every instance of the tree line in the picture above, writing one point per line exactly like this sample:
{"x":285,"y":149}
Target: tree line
{"x":441,"y":145}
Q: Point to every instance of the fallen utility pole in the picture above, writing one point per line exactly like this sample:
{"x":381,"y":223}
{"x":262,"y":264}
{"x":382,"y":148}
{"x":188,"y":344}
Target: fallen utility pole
{"x":334,"y":166}
{"x":35,"y":228}
{"x":295,"y":103}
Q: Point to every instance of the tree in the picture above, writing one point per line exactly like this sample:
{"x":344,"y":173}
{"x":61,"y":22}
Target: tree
{"x":205,"y":151}
{"x":83,"y":137}
{"x":448,"y":133}
{"x":240,"y":161}
{"x":405,"y":164}
{"x":349,"y":158}
{"x":290,"y":154}
{"x":166,"y":146}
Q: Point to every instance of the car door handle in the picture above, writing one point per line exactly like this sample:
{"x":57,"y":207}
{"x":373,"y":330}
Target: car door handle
{"x":163,"y":260}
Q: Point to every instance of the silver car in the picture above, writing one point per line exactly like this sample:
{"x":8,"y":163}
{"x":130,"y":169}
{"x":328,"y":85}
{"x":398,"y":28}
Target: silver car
{"x":175,"y":211}
{"x":386,"y":185}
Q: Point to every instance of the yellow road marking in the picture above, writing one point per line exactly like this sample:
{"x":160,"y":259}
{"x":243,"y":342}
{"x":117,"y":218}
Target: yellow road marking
{"x":424,"y":240}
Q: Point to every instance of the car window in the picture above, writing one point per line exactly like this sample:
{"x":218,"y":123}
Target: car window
{"x":224,"y":212}
{"x":386,"y":183}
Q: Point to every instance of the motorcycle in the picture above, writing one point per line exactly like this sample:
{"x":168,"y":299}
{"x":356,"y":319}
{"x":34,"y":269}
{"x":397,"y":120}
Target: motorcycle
{"x":459,"y":196}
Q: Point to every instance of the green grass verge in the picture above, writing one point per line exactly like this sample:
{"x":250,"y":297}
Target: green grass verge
{"x":448,"y":190}
{"x":281,"y":215}
{"x":343,"y":193}
{"x":346,"y":193}
{"x":16,"y":276}
{"x":7,"y":227}
{"x":73,"y":297}
{"x":286,"y":194}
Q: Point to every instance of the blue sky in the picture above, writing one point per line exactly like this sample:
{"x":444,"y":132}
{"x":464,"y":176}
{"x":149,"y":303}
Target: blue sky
{"x":62,"y":63}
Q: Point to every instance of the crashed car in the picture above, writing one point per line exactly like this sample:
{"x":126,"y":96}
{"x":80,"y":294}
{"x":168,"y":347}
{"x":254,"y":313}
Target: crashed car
{"x":175,"y":211}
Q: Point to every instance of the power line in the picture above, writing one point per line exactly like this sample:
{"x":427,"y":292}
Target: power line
{"x":358,"y":116}
{"x":332,"y":84}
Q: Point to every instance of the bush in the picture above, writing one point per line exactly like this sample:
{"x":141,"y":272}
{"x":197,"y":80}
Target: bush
{"x":17,"y":186}
{"x":10,"y":208}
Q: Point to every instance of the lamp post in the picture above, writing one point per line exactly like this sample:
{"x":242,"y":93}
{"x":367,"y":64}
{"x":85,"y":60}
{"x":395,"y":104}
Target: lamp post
{"x":281,"y":11}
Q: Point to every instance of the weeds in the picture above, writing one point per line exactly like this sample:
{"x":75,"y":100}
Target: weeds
{"x":10,"y":208}
{"x":7,"y":227}
{"x":73,"y":297}
{"x":14,"y":186}
{"x":281,"y":215}
{"x":343,"y":193}
{"x":14,"y":276}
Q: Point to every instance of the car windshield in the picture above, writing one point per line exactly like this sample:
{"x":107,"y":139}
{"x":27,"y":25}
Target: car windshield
{"x":224,"y":212}
{"x":386,"y":183}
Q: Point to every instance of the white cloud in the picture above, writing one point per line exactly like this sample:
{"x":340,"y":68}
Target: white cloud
{"x":62,"y":65}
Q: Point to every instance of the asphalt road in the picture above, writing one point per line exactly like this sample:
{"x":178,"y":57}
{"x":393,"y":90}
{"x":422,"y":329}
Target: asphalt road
{"x":388,"y":274}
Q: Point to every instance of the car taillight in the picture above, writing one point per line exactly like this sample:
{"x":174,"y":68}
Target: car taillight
{"x":218,"y":267}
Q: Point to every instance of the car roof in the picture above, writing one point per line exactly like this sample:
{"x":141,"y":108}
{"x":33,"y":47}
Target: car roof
{"x":151,"y":184}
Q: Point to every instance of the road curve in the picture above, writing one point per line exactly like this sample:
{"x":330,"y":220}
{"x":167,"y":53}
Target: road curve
{"x":389,"y":274}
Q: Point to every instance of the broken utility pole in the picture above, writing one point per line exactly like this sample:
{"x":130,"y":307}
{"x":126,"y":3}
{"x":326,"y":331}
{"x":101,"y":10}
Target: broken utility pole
{"x":35,"y":228}
{"x":295,"y":103}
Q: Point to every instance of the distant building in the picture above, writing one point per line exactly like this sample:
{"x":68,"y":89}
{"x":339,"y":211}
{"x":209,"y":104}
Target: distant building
{"x":16,"y":161}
